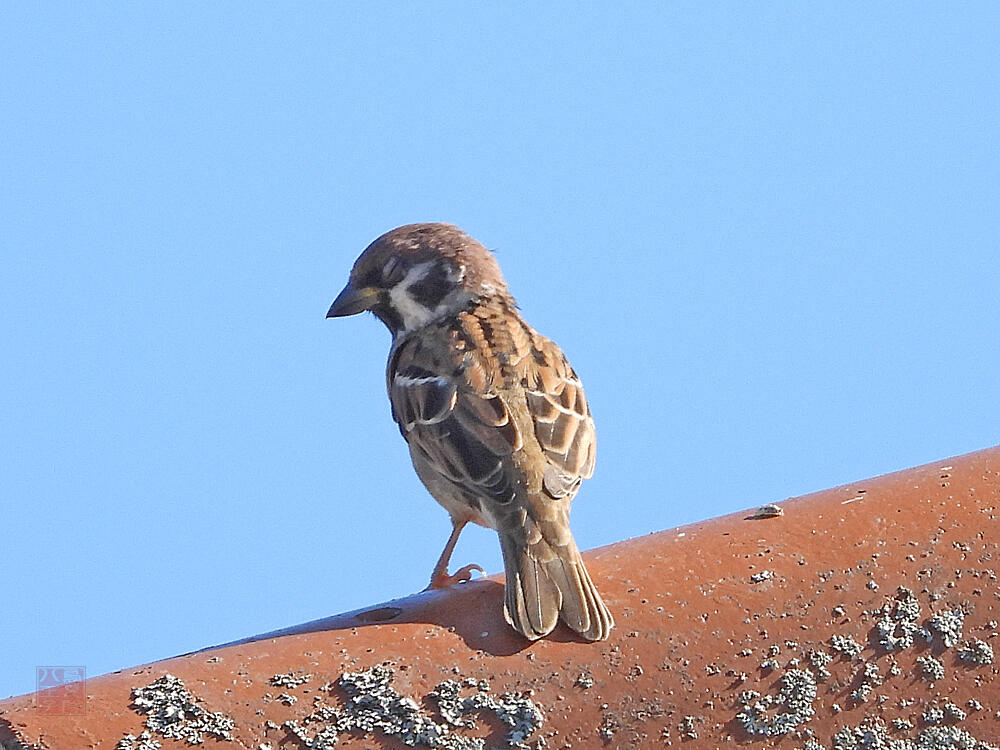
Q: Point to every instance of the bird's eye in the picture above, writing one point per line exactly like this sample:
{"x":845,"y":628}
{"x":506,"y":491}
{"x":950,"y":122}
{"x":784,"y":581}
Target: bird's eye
{"x":392,"y":272}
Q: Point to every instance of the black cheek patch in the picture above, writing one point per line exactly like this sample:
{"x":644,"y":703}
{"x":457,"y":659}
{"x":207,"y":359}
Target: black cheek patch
{"x":388,"y":315}
{"x":432,"y":288}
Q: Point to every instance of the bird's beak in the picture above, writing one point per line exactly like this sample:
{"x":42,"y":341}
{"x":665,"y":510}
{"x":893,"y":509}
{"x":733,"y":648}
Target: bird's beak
{"x":351,"y":301}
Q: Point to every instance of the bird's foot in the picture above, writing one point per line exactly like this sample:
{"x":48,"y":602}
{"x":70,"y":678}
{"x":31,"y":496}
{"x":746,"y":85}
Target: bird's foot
{"x":442,"y":580}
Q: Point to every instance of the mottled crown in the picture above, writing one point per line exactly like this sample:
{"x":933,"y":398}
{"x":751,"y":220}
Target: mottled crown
{"x":474,"y":267}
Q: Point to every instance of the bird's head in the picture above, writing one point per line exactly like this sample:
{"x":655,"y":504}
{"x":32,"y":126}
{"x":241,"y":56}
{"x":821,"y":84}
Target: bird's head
{"x":418,"y":273}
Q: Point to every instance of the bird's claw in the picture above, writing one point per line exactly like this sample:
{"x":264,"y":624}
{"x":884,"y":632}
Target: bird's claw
{"x":462,"y":575}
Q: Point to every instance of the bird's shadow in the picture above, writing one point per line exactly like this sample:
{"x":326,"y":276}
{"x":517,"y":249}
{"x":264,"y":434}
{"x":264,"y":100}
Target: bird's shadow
{"x":472,"y":610}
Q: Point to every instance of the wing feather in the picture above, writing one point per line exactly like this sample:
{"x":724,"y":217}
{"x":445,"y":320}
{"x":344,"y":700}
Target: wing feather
{"x":456,"y":421}
{"x":561,"y":416}
{"x":450,"y":403}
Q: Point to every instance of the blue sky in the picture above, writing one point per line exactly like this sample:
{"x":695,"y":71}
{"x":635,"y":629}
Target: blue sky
{"x":766,"y":236}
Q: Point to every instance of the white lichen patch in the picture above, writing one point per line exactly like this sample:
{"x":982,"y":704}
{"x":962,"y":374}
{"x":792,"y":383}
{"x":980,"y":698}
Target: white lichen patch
{"x":844,"y":644}
{"x":798,"y":692}
{"x":375,"y":708}
{"x":948,"y":625}
{"x":931,"y":669}
{"x":947,"y":712}
{"x":947,"y":738}
{"x":173,"y":712}
{"x":976,"y":652}
{"x":873,"y":734}
{"x":764,"y":575}
{"x":897,"y":627}
{"x":687,"y":728}
{"x":932,"y":715}
{"x":870,"y":678}
{"x":144,"y":741}
{"x":870,"y":733}
{"x":290,"y":679}
{"x":953,"y":712}
{"x":818,"y":661}
{"x":518,"y":713}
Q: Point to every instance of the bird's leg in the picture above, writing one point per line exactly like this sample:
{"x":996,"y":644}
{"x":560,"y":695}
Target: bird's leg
{"x":440,"y":578}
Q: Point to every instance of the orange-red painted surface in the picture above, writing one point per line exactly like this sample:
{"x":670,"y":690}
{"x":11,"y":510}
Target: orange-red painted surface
{"x":759,"y":602}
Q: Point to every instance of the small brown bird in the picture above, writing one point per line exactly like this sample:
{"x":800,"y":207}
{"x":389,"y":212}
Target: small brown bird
{"x":498,"y":427}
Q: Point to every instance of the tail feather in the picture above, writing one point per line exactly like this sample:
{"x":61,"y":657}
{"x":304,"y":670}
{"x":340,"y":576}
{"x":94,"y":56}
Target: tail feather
{"x":601,"y":621}
{"x":547,"y":583}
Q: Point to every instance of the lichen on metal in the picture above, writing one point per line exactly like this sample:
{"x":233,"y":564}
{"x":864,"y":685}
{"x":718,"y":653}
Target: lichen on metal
{"x":798,"y":692}
{"x":818,"y":662}
{"x":688,"y":728}
{"x":869,"y":678}
{"x":953,"y":712}
{"x":375,"y":708}
{"x":846,"y":645}
{"x":948,"y":625}
{"x":770,"y":665}
{"x":290,"y":679}
{"x":873,"y":734}
{"x":897,"y":628}
{"x":931,"y":669}
{"x":145,"y":741}
{"x":976,"y":652}
{"x":948,"y":738}
{"x":173,"y":712}
{"x":584,"y":680}
{"x":518,"y":713}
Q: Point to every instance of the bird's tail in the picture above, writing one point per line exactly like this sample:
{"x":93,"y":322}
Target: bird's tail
{"x":546,"y":583}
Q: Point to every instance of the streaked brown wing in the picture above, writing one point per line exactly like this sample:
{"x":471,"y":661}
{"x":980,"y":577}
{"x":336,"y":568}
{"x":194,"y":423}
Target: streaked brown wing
{"x":465,"y":432}
{"x":563,"y":424}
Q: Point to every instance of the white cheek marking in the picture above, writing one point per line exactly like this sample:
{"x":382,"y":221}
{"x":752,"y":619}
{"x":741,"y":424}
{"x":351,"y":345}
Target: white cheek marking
{"x":414,"y":314}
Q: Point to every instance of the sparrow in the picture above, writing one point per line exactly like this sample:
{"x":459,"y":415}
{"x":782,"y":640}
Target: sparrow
{"x":496,"y":420}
